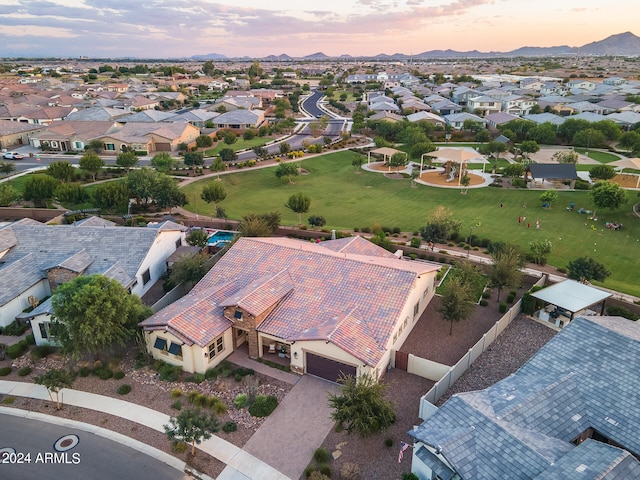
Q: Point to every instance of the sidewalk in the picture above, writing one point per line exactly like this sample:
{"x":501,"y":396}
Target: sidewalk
{"x":240,"y":464}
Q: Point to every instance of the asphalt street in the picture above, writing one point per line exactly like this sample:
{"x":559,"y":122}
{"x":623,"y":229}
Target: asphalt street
{"x":34,"y":450}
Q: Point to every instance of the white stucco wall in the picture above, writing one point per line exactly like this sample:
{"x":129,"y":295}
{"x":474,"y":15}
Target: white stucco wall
{"x":12,"y":308}
{"x":155,"y":261}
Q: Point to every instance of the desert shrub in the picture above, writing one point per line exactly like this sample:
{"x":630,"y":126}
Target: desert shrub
{"x":263,"y":406}
{"x":217,"y":405}
{"x":177,"y":405}
{"x":124,"y":389}
{"x":415,"y":242}
{"x":582,"y":184}
{"x":484,"y":302}
{"x":410,"y":476}
{"x":16,"y":350}
{"x":24,"y":371}
{"x":503,"y":307}
{"x":31,"y":339}
{"x":211,"y":374}
{"x":8,"y":400}
{"x":616,"y":311}
{"x":510,"y":298}
{"x":229,"y":427}
{"x":176,"y":393}
{"x":243,"y":372}
{"x":41,"y":351}
{"x":350,"y":471}
{"x":309,"y":469}
{"x":513,"y":292}
{"x":325,"y":469}
{"x":237,"y":377}
{"x":241,"y":400}
{"x":518,"y":183}
{"x":389,"y":442}
{"x":486,"y":294}
{"x":84,"y":371}
{"x":322,"y":455}
{"x":104,"y":373}
{"x":196,"y":378}
{"x":179,"y":447}
{"x":15,"y":329}
{"x":118,"y":375}
{"x":169,"y":373}
{"x":4,"y":371}
{"x":561,"y":269}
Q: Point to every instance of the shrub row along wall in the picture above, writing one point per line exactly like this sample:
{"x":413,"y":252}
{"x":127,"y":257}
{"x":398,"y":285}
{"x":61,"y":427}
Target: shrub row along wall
{"x":429,"y":399}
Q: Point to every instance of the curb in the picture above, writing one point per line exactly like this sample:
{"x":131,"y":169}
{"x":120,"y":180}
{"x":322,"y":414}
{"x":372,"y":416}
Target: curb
{"x":108,"y":434}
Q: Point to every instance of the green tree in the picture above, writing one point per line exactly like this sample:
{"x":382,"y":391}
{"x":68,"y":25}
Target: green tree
{"x":163,"y":162}
{"x":194,"y":159}
{"x":571,"y":126}
{"x":497,"y":148}
{"x":213,"y":192}
{"x":549,"y":197}
{"x":7,"y":168}
{"x":71,"y":193}
{"x":91,"y":313}
{"x":141,"y":183}
{"x":608,"y":195}
{"x":191,"y":427}
{"x":166,"y":193}
{"x":90,"y":162}
{"x":284,"y":148}
{"x":357,"y":162}
{"x":419,"y":149}
{"x":287,"y":170}
{"x":441,"y":226}
{"x":529,"y":146}
{"x":360,"y":406}
{"x":229,"y":137}
{"x":539,"y":250}
{"x":589,"y":138}
{"x":602,"y":172}
{"x":55,"y":380}
{"x":62,"y":170}
{"x":127,"y":160}
{"x":218,"y":166}
{"x":204,"y":141}
{"x":398,"y":160}
{"x":299,"y":203}
{"x":228,"y":155}
{"x":544,"y":134}
{"x":8,"y":194}
{"x":94,"y":146}
{"x":585,"y":269}
{"x":198,"y":238}
{"x":208,"y":68}
{"x":259,"y":225}
{"x":40,"y":189}
{"x":505,"y":269}
{"x":415,"y":174}
{"x":261,"y":152}
{"x":111,"y":196}
{"x":455,"y":302}
{"x":190,"y":269}
{"x":482,"y":136}
{"x":565,"y":156}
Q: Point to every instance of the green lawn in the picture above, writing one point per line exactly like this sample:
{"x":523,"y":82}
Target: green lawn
{"x":602,"y":157}
{"x":348,"y":200}
{"x":240,"y":144}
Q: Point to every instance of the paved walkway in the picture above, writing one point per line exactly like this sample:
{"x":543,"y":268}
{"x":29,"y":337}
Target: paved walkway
{"x":240,"y":464}
{"x":9,"y":340}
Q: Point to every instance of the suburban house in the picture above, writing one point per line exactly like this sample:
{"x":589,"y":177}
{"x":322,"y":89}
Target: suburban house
{"x":484,"y":105}
{"x":240,"y":119}
{"x":36,"y":258}
{"x":72,"y":135}
{"x":456,"y":120}
{"x":16,"y":133}
{"x":150,"y":137}
{"x":336,"y":306}
{"x":570,"y":412}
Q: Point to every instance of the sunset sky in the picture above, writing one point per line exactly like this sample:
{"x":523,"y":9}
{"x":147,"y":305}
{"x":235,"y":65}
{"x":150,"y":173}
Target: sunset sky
{"x":256,"y":28}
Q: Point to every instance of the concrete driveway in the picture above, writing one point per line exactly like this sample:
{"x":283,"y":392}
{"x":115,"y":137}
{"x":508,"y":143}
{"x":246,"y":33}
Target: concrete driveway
{"x":287,"y":439}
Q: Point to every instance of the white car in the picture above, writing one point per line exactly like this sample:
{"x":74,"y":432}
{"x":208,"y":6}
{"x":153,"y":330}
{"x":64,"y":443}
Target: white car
{"x":13,"y":156}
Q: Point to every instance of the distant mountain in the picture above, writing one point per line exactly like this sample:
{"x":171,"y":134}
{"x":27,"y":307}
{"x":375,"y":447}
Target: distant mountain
{"x":620,"y":44}
{"x":210,"y":56}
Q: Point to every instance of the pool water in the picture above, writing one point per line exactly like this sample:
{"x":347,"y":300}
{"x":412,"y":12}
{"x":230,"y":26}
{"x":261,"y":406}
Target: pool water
{"x":221,"y":237}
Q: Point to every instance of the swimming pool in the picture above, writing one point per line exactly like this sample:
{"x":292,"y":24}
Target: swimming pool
{"x":221,"y":237}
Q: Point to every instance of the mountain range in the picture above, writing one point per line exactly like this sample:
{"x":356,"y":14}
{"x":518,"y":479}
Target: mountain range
{"x":626,"y":44}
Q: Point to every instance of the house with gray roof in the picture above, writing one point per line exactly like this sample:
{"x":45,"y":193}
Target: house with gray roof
{"x":336,"y":306}
{"x":35,"y":258}
{"x":240,"y":119}
{"x":570,"y":412}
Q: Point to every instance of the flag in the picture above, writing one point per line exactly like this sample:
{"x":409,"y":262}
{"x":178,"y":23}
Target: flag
{"x":403,"y":447}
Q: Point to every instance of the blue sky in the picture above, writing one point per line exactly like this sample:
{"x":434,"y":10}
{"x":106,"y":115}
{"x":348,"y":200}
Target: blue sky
{"x":255,"y":28}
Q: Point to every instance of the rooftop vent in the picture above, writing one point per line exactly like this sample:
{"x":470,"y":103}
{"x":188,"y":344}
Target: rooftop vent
{"x":581,"y":468}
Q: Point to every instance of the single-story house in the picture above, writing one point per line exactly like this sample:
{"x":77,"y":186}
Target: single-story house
{"x":17,"y":133}
{"x":36,"y":258}
{"x":151,"y":137}
{"x":72,"y":135}
{"x":240,"y":119}
{"x":570,"y":412}
{"x":336,"y":306}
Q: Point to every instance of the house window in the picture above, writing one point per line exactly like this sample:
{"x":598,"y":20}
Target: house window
{"x":77,"y":145}
{"x":146,"y":277}
{"x":416,"y":309}
{"x":216,"y":347}
{"x":395,"y":337}
{"x":110,"y":146}
{"x":175,"y":349}
{"x":237,"y":315}
{"x":43,"y":330}
{"x":406,"y":320}
{"x":426,"y":292}
{"x":178,"y":243}
{"x":161,"y":344}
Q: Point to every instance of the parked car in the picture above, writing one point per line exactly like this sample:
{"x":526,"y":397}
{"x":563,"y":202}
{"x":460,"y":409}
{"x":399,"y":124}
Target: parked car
{"x":13,"y":156}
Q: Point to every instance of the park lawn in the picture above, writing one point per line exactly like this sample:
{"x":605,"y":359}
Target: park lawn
{"x":240,"y":144}
{"x":351,"y":200}
{"x":336,"y":96}
{"x":602,"y":157}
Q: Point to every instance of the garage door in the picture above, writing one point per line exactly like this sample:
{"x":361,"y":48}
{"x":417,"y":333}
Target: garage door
{"x":326,"y":368}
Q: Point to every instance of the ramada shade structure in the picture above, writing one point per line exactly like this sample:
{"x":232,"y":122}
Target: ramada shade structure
{"x":628,"y":163}
{"x":457,"y":155}
{"x":572,"y":296}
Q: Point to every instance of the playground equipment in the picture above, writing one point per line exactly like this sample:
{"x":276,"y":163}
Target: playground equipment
{"x":452,"y":174}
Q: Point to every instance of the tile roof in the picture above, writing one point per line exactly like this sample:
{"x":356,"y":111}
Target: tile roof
{"x":582,"y":378}
{"x":321,"y":290}
{"x":39,"y":247}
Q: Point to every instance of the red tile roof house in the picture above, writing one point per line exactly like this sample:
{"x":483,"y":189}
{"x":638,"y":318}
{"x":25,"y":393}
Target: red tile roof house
{"x":337,"y":306}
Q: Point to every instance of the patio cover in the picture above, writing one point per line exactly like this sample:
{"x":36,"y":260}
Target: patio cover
{"x":626,"y":163}
{"x":386,"y":152}
{"x":454,"y":154}
{"x":562,"y":171}
{"x":571,"y":295}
